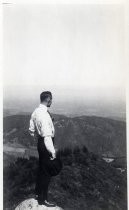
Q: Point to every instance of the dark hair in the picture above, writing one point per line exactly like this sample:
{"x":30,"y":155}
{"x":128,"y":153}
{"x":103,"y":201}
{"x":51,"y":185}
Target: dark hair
{"x":45,"y":95}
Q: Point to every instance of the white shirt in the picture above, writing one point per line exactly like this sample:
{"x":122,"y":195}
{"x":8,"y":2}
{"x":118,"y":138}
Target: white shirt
{"x":41,"y":122}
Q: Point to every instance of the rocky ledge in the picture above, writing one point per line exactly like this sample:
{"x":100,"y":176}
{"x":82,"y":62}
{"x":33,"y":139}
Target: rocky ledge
{"x":32,"y":204}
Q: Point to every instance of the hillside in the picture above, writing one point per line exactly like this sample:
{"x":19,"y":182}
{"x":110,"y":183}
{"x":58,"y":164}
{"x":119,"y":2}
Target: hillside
{"x":86,"y":182}
{"x":99,"y":135}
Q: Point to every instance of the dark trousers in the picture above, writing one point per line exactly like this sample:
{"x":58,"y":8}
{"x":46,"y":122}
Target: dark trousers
{"x":43,"y":175}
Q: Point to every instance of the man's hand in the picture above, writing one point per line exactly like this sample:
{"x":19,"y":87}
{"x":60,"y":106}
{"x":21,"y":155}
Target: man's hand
{"x":53,"y":156}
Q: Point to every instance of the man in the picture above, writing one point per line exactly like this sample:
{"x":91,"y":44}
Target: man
{"x":42,"y":128}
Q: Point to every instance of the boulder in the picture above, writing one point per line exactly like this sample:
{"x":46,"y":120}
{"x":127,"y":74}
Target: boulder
{"x":32,"y":204}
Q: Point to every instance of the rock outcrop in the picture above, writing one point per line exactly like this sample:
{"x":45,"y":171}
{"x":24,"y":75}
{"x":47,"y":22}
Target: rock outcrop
{"x":32,"y":204}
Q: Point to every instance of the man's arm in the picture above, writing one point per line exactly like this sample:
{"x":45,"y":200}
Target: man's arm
{"x":46,"y":132}
{"x":49,"y":146}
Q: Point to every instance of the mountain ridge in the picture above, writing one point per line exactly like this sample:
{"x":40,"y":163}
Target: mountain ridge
{"x":100,"y":135}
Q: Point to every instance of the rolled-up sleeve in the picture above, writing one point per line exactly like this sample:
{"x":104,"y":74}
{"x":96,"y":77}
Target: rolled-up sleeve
{"x":31,"y":126}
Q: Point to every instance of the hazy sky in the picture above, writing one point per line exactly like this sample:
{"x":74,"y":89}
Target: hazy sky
{"x":63,"y":48}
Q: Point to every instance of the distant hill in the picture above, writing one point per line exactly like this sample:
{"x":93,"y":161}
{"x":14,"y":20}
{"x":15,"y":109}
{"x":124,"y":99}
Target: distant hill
{"x":100,"y":135}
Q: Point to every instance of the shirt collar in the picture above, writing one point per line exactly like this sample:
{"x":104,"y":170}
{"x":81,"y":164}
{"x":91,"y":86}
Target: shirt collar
{"x":43,"y":107}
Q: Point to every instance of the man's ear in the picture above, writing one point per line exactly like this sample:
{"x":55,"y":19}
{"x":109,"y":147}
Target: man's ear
{"x":49,"y":99}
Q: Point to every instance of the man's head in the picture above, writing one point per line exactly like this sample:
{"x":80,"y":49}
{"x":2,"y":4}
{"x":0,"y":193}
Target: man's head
{"x":46,"y":98}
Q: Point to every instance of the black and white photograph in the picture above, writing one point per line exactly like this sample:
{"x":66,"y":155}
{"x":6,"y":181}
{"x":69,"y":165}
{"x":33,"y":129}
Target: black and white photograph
{"x":64,"y":105}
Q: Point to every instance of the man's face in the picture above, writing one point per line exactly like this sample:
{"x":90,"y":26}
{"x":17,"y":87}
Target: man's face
{"x":49,"y":101}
